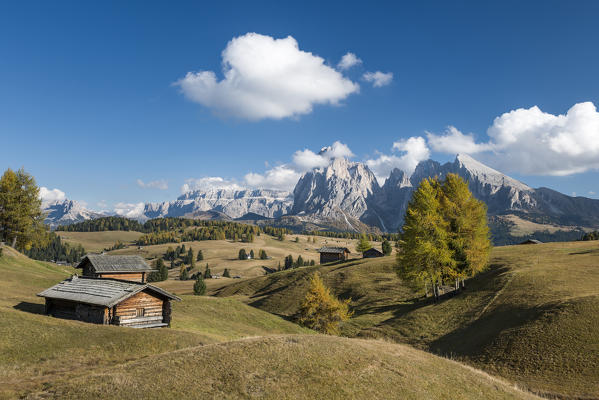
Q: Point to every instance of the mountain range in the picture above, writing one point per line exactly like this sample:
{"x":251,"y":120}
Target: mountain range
{"x":346,"y":195}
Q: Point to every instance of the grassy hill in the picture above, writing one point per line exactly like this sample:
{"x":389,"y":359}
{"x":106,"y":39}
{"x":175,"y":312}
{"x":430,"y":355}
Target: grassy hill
{"x":531,"y":318}
{"x":98,"y":241}
{"x":289,"y":367}
{"x":36,"y":349}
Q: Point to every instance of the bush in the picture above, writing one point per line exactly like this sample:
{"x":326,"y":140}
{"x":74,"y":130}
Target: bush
{"x":321,"y":310}
{"x":226,"y":273}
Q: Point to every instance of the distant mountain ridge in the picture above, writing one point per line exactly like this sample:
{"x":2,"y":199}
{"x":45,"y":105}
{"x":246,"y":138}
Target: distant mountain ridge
{"x":66,"y":212}
{"x":346,"y":195}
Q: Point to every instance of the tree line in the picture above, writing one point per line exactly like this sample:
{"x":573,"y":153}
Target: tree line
{"x":393,"y":237}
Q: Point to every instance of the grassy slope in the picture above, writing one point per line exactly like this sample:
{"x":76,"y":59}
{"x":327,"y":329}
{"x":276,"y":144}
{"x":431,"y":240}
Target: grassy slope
{"x":98,"y":241}
{"x":531,"y":318}
{"x":35,"y":348}
{"x":219,"y":254}
{"x":306,"y":367}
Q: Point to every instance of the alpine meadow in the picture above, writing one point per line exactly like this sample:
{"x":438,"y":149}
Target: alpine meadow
{"x":321,"y":200}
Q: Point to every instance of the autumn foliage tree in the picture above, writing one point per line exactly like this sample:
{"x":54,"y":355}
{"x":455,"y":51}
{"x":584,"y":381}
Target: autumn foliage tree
{"x":445,"y":237}
{"x":321,"y":310}
{"x":21,"y":218}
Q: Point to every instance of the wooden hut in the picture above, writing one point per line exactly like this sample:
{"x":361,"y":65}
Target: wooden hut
{"x":110,"y":301}
{"x":331,"y":254}
{"x":131,"y":268}
{"x":372,"y":253}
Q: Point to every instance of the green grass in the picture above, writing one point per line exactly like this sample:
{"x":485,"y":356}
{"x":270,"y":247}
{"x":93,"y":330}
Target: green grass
{"x":531,"y":318}
{"x":36,"y":349}
{"x":289,"y":367}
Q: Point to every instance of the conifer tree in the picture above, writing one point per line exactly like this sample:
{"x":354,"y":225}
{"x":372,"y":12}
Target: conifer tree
{"x":183,"y":273}
{"x":252,"y":254}
{"x":469,"y":237}
{"x":162,"y":270}
{"x":321,"y":310}
{"x":386,"y":247}
{"x":424,"y":255}
{"x":363,"y":244}
{"x":226,"y":273}
{"x":207,"y":273}
{"x":300,"y":261}
{"x":21,"y":218}
{"x":199,"y":286}
{"x":242,"y":255}
{"x":200,"y":256}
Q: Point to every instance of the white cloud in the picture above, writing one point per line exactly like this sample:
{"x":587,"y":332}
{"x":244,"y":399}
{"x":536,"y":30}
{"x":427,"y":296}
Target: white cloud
{"x":129,"y":210}
{"x":378,"y":78}
{"x":348,"y":60}
{"x":453,"y":141}
{"x":159,"y":184}
{"x":530,"y":141}
{"x":102,"y":204}
{"x":285,"y":176}
{"x":266,"y":77}
{"x":209,"y":182}
{"x":280,"y":177}
{"x":51,"y":195}
{"x":414,"y":150}
{"x":591,"y":193}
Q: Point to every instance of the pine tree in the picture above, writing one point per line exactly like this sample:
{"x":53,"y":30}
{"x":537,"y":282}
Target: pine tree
{"x":207,"y":273}
{"x":300,"y":261}
{"x":297,"y":239}
{"x":183,"y":273}
{"x":200,"y":256}
{"x":199,"y":287}
{"x":424,"y":255}
{"x":469,"y":237}
{"x":242,"y":255}
{"x":21,"y":219}
{"x":226,"y":273}
{"x":363,"y":244}
{"x":289,"y":261}
{"x":321,"y":310}
{"x":386,"y":247}
{"x":252,"y":254}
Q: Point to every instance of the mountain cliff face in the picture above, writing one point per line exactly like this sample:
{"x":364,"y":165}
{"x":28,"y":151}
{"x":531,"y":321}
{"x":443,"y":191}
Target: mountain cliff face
{"x":233,"y":203}
{"x":67,"y":212}
{"x":344,"y":191}
{"x":346,"y":196}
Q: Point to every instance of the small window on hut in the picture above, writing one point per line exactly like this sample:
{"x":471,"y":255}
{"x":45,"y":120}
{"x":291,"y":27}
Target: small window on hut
{"x":140,"y":312}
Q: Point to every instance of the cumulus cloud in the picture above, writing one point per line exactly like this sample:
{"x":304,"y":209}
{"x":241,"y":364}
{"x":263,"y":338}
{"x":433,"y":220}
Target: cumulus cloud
{"x":280,"y":177}
{"x":349,"y":60}
{"x":530,"y":141}
{"x":209,"y":182}
{"x":159,"y":184}
{"x":285,"y":176}
{"x":51,"y":195}
{"x":411,"y":152}
{"x":129,"y":210}
{"x":378,"y":78}
{"x":266,"y":77}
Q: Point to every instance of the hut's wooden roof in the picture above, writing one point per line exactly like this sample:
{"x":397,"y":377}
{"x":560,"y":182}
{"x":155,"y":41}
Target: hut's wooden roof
{"x":337,"y":250}
{"x":99,"y":291}
{"x":110,"y":263}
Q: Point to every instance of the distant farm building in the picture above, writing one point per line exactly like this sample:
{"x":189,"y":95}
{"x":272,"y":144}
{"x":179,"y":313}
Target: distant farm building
{"x":109,"y":301}
{"x":531,"y":241}
{"x":331,"y":254}
{"x":131,"y":268}
{"x":372,"y":253}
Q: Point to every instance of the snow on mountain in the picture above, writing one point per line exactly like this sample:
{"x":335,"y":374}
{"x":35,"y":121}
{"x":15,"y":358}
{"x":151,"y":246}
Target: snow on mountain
{"x":233,"y":203}
{"x":66,"y":212}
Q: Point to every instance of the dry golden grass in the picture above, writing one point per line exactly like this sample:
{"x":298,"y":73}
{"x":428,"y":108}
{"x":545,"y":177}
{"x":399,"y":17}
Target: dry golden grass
{"x":289,"y":367}
{"x":98,"y":241}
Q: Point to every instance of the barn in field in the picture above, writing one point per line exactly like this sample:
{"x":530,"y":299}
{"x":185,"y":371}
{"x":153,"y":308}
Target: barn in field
{"x":110,"y":301}
{"x":531,"y":241}
{"x":372,"y":253}
{"x":131,"y":268}
{"x":331,"y":254}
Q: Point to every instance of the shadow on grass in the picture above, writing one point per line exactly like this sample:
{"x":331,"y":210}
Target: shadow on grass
{"x":34,"y":308}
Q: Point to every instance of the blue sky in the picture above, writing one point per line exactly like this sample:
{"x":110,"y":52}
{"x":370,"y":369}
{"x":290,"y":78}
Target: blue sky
{"x":90,"y":105}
